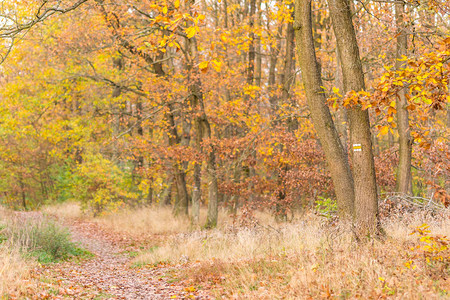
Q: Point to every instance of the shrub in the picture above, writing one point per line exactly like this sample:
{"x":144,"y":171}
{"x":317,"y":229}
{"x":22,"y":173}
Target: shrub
{"x":99,"y":185}
{"x":42,"y":239}
{"x":326,"y":207}
{"x":432,"y":249}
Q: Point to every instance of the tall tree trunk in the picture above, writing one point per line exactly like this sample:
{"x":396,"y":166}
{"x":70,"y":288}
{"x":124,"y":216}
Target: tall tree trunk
{"x":289,"y":59}
{"x":289,"y":69}
{"x":213,"y":201}
{"x":22,"y":193}
{"x":117,"y":112}
{"x":181,"y":205}
{"x":196,"y":193}
{"x":274,"y":52}
{"x":225,"y":14}
{"x":363,"y":167}
{"x":139,"y":163}
{"x":157,"y":68}
{"x":404,"y":177}
{"x":258,"y":69}
{"x":341,"y":115}
{"x":448,"y":115}
{"x":251,"y":49}
{"x":320,"y":113}
{"x":203,"y":127}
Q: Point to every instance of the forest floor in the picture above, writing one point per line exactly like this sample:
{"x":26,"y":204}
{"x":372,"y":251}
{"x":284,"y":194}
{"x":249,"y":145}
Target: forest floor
{"x":148,"y":254}
{"x":109,"y":274}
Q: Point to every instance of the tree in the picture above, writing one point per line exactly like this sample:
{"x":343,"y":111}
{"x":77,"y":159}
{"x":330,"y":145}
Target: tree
{"x":320,"y":113}
{"x":207,"y":105}
{"x":15,"y":24}
{"x":363,"y":167}
{"x":404,"y":177}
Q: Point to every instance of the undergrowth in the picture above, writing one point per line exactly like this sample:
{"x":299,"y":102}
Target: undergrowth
{"x":311,"y":257}
{"x":43,"y":239}
{"x":27,"y":240}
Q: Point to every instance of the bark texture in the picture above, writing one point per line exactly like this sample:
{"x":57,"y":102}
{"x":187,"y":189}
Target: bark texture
{"x":203,"y":131}
{"x":320,"y":113}
{"x":404,"y":177}
{"x":363,"y":168}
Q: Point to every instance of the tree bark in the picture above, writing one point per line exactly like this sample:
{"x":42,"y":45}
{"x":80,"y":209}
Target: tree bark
{"x":117,"y":112}
{"x":196,"y":99}
{"x":196,"y":194}
{"x":166,"y":194}
{"x":213,"y":201}
{"x":225,"y":14}
{"x":320,"y":113}
{"x":274,"y":52}
{"x":289,"y":70}
{"x":341,"y":115}
{"x":363,"y":167}
{"x":251,"y":49}
{"x":289,"y":60}
{"x":258,"y":69}
{"x":181,"y":205}
{"x":404,"y":177}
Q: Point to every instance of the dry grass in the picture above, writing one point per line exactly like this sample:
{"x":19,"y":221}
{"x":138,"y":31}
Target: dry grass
{"x":309,"y":260}
{"x":14,"y":269}
{"x":146,"y":221}
{"x":234,"y":243}
{"x":66,"y":210}
{"x":305,"y":259}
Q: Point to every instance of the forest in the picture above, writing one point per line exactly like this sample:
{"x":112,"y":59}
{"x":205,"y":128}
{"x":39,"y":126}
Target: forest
{"x":224,"y":149}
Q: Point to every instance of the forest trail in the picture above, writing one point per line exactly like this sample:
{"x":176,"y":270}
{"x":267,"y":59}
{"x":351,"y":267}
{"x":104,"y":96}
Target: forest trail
{"x":107,"y":275}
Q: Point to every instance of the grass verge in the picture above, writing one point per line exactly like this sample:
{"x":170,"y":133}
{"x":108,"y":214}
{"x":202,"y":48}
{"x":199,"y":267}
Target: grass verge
{"x":28,"y":239}
{"x":308,"y":260}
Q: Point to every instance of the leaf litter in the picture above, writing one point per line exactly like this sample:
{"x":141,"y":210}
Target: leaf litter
{"x":109,"y":274}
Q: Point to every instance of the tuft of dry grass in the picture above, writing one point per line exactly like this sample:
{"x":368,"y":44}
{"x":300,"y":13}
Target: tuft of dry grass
{"x":144,"y":221}
{"x":66,"y":210}
{"x":14,"y":269}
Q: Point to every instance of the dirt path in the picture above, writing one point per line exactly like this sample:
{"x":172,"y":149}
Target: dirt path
{"x":108,"y":275}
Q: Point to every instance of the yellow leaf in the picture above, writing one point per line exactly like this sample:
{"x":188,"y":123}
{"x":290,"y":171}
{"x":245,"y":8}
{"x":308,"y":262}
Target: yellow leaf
{"x":336,"y":91}
{"x":203,"y":66}
{"x":164,"y":10}
{"x":176,"y":3}
{"x":427,"y":101}
{"x":190,"y":32}
{"x":223,"y":37}
{"x":384,"y":130}
{"x":217,"y":65}
{"x":189,"y":289}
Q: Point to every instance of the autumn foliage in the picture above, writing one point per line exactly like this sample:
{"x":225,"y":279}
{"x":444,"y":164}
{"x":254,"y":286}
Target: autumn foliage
{"x":97,"y":104}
